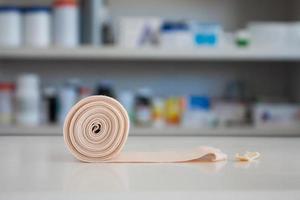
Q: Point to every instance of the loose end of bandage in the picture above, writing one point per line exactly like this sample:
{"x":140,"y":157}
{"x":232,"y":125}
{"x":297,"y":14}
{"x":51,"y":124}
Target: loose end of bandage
{"x":247,"y":157}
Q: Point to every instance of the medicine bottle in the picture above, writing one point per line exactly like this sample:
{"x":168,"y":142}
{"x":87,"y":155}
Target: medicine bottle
{"x":28,"y":100}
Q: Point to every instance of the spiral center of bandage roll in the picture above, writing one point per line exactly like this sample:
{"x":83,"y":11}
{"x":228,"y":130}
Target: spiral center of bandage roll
{"x":96,"y":129}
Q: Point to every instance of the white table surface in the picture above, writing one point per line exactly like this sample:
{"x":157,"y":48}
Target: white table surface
{"x":42,"y":168}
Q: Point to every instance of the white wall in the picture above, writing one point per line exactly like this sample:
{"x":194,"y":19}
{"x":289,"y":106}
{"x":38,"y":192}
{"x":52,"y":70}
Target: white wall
{"x":230,"y":13}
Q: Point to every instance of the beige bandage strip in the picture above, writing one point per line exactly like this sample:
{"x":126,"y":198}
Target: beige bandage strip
{"x":96,"y":130}
{"x":248,"y":156}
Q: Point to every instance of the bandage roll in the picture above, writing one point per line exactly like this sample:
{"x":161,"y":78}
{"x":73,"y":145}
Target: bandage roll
{"x":96,"y":130}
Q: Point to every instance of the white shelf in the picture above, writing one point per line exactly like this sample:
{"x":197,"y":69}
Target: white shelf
{"x":210,"y":54}
{"x":170,"y":131}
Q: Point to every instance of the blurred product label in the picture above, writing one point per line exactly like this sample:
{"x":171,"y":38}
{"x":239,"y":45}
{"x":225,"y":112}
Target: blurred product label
{"x":143,"y":115}
{"x":175,"y":34}
{"x":174,"y":110}
{"x":230,"y":113}
{"x":158,"y":114}
{"x":276,"y":114}
{"x":138,"y":31}
{"x":198,"y":112}
{"x":206,"y":34}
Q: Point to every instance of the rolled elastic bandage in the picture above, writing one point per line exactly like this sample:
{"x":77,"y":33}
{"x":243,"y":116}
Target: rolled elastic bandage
{"x":96,"y":130}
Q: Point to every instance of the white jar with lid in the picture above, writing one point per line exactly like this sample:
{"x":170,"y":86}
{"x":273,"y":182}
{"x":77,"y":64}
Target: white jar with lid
{"x":66,"y":23}
{"x":28,"y":100}
{"x":10,"y":26}
{"x":37,"y":26}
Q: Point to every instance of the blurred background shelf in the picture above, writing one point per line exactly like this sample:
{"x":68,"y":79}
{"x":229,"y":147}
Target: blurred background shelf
{"x":171,"y":131}
{"x":115,"y":53}
{"x":233,"y":55}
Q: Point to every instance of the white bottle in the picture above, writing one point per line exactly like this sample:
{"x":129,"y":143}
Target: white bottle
{"x":10,"y":26}
{"x":37,"y":26}
{"x":66,"y":24}
{"x":28,"y":100}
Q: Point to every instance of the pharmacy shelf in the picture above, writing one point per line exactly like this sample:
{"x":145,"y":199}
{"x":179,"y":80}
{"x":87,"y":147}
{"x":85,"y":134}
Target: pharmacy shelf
{"x":169,"y":131}
{"x":110,"y":53}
